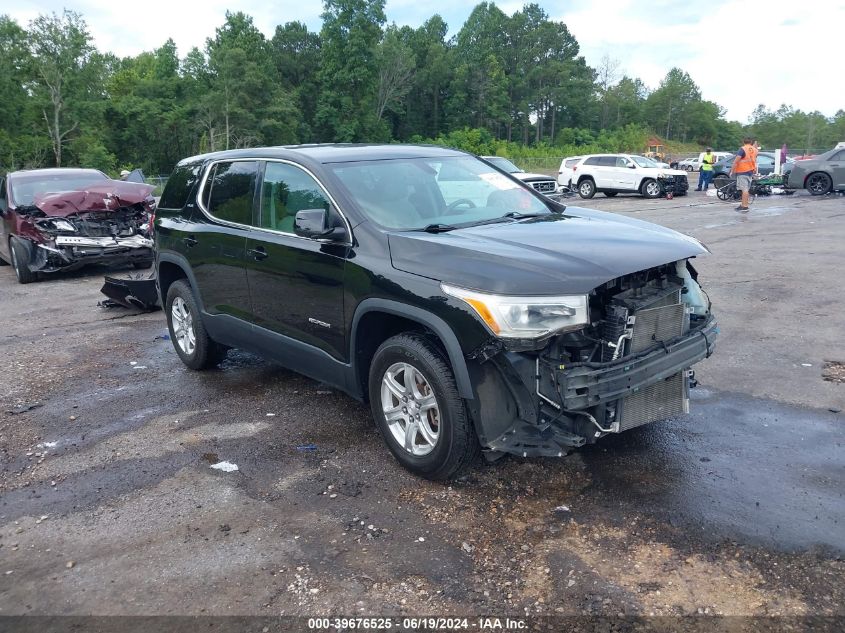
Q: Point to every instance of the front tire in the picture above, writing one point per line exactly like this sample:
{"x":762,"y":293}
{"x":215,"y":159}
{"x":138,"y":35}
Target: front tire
{"x":20,"y":256}
{"x":650,"y":188}
{"x":587,"y":188}
{"x":187,"y":332}
{"x":417,"y":409}
{"x":819,"y":184}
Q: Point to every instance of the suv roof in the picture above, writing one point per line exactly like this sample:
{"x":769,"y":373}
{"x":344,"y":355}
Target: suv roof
{"x":332,"y":152}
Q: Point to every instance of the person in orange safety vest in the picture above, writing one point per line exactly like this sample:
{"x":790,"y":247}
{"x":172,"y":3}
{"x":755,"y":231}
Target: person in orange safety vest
{"x":744,"y":168}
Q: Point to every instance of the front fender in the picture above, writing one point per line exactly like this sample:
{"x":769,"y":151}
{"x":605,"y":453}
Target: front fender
{"x":423,"y":317}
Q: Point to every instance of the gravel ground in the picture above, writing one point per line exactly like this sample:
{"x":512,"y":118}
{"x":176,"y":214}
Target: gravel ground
{"x":110,"y":505}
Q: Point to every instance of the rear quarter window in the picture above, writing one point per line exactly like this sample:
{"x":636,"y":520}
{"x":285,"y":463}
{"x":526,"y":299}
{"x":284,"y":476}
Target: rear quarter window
{"x":230,"y":191}
{"x":179,"y":187}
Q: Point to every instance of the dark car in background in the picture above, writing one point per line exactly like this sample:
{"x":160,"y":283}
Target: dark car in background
{"x":62,"y":219}
{"x":471,"y":311}
{"x":820,"y":175}
{"x":765,"y":165}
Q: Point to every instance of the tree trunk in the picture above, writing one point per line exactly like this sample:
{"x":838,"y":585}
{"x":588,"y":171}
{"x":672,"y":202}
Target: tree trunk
{"x":434,"y":117}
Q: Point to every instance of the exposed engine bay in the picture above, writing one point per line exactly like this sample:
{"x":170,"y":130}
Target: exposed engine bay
{"x":71,"y":229}
{"x":630,"y":366}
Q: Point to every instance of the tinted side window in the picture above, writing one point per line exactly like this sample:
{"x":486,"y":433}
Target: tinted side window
{"x":179,"y":186}
{"x":230,"y":190}
{"x":595,"y":160}
{"x":286,"y":190}
{"x":607,"y":161}
{"x":836,"y":156}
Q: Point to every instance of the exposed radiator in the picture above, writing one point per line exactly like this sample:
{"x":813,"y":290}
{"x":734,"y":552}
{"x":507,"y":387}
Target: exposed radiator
{"x":657,"y":324}
{"x":663,"y":320}
{"x":665,"y":399}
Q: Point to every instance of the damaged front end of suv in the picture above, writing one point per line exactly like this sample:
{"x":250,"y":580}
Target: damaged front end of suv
{"x":107,"y":222}
{"x":559,"y":371}
{"x":624,"y":361}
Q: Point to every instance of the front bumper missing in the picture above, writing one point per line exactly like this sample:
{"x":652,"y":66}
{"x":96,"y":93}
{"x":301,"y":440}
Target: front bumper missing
{"x":572,"y":401}
{"x":582,"y":387}
{"x":67,"y":253}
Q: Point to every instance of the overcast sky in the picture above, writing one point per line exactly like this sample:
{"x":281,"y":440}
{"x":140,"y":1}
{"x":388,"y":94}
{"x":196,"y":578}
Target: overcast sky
{"x":740,"y":52}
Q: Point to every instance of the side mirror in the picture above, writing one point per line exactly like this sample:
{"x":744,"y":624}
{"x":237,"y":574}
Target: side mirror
{"x":314,"y":224}
{"x":632,"y":166}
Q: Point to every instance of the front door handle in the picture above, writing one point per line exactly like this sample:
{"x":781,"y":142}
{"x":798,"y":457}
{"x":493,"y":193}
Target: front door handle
{"x":258,"y":253}
{"x":190,"y":241}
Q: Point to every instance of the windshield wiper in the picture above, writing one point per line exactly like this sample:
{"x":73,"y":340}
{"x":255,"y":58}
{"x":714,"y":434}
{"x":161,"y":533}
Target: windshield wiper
{"x":516,"y":215}
{"x":438,"y":228}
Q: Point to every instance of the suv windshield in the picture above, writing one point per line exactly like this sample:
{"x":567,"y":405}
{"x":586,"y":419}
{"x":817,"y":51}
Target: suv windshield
{"x":25,"y":188}
{"x":642,"y":161}
{"x":504,"y":164}
{"x":416,"y":193}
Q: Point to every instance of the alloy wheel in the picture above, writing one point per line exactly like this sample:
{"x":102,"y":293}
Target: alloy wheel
{"x":818,"y":184}
{"x":410,"y":409}
{"x":652,"y":189}
{"x":183,"y":326}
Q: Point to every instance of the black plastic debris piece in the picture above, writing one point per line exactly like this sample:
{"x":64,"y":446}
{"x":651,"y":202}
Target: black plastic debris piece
{"x":23,"y":408}
{"x":131,"y":292}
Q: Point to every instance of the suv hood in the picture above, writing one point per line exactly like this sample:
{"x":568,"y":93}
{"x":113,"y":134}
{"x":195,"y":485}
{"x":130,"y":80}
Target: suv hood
{"x":526,"y":176}
{"x":108,"y":196}
{"x":570,"y":253}
{"x":658,"y":171}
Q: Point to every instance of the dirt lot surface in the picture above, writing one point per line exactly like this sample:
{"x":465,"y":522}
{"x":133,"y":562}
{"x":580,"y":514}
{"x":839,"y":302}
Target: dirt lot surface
{"x":110,"y":506}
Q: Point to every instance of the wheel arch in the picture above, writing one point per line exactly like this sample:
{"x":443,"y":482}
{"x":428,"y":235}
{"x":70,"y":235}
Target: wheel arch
{"x":387,"y":318}
{"x":170,"y":268}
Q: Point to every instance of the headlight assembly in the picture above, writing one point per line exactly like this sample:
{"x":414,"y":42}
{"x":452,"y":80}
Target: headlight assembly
{"x":524,"y":317}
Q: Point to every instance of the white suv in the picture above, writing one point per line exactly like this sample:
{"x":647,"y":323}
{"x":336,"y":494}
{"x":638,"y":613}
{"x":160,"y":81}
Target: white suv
{"x":566,"y":173}
{"x":626,"y":173}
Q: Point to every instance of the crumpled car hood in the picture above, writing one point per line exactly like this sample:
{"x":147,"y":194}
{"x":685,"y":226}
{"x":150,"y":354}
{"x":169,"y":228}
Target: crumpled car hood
{"x":106,"y":196}
{"x":569,"y":253}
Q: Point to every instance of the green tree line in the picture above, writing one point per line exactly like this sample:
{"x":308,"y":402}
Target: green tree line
{"x":513,"y":84}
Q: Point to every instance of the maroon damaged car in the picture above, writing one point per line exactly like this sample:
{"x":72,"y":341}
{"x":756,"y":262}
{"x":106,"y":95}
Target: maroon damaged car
{"x":62,"y":219}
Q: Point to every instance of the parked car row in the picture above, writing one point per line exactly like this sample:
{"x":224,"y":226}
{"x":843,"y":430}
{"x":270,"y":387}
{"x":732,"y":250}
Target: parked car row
{"x":694,"y":163}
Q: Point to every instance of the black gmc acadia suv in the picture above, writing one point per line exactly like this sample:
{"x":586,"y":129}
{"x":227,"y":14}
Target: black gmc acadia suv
{"x":469,"y":310}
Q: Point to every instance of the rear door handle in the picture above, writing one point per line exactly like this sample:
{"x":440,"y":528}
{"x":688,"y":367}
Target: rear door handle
{"x":258,"y":253}
{"x":190,"y":241}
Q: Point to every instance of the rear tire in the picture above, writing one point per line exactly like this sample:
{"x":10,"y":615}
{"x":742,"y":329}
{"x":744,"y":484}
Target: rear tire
{"x":20,"y":257}
{"x":651,"y":188}
{"x":417,"y":409}
{"x":587,"y":188}
{"x":187,"y":332}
